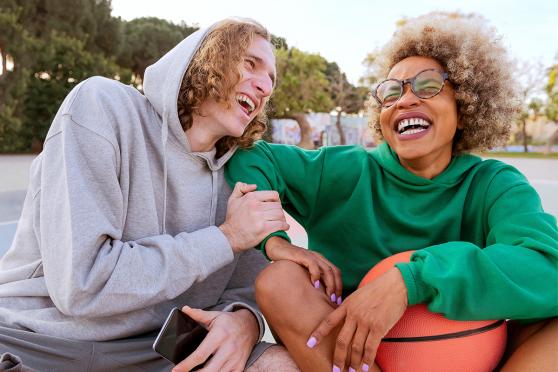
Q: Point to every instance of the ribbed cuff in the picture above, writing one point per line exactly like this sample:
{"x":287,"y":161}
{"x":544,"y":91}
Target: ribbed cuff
{"x":241,"y":305}
{"x":417,"y":290}
{"x":281,"y":234}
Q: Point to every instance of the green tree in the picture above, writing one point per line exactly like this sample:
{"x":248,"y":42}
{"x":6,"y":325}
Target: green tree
{"x":531,"y":80}
{"x":302,"y":87}
{"x":279,"y":42}
{"x":346,"y":97}
{"x":145,"y":40}
{"x":54,"y":44}
{"x":551,"y":108}
{"x":15,"y":47}
{"x":372,"y":74}
{"x":61,"y":64}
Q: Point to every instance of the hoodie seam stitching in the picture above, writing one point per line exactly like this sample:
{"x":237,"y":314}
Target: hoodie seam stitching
{"x":97,"y":134}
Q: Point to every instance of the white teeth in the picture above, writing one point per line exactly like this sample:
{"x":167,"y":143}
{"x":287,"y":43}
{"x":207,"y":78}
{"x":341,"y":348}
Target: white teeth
{"x":405,"y":123}
{"x":413,"y":131}
{"x":245,"y":98}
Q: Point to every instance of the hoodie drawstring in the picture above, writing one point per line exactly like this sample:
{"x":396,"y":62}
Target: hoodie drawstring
{"x":165,"y":135}
{"x":214,"y":196}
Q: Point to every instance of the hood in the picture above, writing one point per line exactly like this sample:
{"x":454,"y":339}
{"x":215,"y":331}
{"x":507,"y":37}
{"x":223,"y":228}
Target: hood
{"x":453,"y":174}
{"x":162,"y":83}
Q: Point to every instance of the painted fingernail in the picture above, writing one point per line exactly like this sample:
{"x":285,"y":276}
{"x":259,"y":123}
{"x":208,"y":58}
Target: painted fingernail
{"x":317,"y":284}
{"x":333,"y":297}
{"x":351,"y":369}
{"x":311,"y":342}
{"x":339,"y":300}
{"x":365,"y":367}
{"x":336,"y":369}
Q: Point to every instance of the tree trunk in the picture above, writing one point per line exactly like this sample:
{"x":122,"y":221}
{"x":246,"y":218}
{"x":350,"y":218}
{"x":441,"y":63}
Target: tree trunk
{"x":340,"y":130}
{"x":524,"y":132}
{"x":551,"y":140}
{"x":4,"y":61}
{"x":305,"y":131}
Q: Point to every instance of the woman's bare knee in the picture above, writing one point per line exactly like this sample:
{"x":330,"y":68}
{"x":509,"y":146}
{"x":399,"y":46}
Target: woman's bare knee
{"x":277,"y":280}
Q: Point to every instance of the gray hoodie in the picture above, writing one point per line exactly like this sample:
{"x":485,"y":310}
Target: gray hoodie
{"x":119,"y":221}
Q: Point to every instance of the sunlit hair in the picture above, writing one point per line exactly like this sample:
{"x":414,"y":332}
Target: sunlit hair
{"x":214,"y":72}
{"x":478,"y":68}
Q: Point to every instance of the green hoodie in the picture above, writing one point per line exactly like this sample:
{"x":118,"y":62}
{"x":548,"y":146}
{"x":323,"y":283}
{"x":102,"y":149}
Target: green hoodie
{"x":487,"y":250}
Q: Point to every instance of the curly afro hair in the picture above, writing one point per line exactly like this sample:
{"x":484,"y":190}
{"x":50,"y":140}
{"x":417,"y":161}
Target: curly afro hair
{"x":478,"y":68}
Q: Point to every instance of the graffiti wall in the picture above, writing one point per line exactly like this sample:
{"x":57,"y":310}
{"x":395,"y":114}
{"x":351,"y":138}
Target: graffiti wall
{"x":324,"y":130}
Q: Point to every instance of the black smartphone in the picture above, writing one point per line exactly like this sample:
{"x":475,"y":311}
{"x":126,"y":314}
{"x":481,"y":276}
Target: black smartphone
{"x":179,"y":337}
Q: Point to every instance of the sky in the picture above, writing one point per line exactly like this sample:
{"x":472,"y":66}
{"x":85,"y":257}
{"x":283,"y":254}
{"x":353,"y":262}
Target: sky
{"x":345,"y":31}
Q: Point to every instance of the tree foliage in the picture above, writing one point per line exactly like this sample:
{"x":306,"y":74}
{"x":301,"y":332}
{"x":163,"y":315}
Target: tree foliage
{"x":54,"y":45}
{"x":302,"y":84}
{"x":551,"y":109}
{"x":346,"y":97}
{"x":372,"y":73}
{"x":146,"y":39}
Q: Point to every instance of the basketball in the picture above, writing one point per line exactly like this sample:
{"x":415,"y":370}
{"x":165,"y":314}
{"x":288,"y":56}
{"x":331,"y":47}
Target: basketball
{"x":423,"y":341}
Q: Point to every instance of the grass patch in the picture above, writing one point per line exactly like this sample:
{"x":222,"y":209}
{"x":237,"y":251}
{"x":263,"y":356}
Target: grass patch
{"x":527,"y":155}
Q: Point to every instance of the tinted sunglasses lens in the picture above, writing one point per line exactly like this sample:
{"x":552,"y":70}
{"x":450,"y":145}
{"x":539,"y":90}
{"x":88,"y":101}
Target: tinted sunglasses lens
{"x":428,"y":83}
{"x":388,"y":92}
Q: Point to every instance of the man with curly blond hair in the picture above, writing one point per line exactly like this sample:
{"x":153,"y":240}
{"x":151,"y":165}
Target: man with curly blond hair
{"x":128,"y":215}
{"x":485,"y":249}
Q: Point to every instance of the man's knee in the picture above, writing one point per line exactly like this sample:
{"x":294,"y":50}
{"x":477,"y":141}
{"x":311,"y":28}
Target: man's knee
{"x":276,"y":358}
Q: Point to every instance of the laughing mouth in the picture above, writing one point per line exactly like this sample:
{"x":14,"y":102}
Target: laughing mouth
{"x":412,"y":126}
{"x":246,"y":102}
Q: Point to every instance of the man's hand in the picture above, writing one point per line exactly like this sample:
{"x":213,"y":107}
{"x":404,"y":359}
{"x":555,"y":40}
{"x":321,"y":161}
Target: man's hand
{"x":319,"y":267}
{"x":251,"y":216}
{"x":230,"y":340}
{"x":367,"y":316}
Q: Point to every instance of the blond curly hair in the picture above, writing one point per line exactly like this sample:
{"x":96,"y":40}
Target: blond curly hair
{"x":214,"y":72}
{"x":479,"y":69}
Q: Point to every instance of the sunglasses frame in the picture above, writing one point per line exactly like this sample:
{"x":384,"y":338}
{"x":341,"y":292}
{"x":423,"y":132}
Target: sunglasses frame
{"x":409,"y":81}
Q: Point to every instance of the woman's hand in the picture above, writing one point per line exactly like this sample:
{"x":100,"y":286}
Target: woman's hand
{"x":317,"y":265}
{"x":368,"y":314}
{"x":230,"y":340}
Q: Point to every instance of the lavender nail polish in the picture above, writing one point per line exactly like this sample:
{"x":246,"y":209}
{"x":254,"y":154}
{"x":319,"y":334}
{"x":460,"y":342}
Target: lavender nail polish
{"x":311,"y":342}
{"x":317,"y":284}
{"x":336,"y":369}
{"x":333,"y":297}
{"x":351,"y":369}
{"x":339,"y":300}
{"x":365,"y":367}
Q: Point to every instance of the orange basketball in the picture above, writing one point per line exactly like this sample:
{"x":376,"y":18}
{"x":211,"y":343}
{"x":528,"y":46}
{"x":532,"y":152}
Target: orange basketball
{"x":423,"y":341}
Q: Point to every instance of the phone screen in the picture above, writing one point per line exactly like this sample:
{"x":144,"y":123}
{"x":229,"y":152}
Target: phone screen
{"x":179,"y":337}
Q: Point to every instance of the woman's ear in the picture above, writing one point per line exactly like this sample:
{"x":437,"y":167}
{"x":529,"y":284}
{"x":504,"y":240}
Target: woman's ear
{"x":460,"y":121}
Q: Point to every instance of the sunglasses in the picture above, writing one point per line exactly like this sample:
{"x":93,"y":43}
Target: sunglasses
{"x":425,"y":84}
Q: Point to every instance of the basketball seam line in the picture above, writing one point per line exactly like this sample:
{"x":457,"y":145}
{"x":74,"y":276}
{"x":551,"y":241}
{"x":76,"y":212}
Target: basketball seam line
{"x":445,"y":336}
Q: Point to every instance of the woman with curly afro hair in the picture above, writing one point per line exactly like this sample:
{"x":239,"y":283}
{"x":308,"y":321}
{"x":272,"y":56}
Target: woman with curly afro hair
{"x":485,"y":249}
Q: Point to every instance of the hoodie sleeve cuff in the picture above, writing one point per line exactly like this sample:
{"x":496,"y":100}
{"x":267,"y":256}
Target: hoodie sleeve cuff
{"x":417,"y":290}
{"x":234,"y":306}
{"x":211,"y":247}
{"x":281,"y":234}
